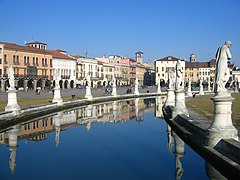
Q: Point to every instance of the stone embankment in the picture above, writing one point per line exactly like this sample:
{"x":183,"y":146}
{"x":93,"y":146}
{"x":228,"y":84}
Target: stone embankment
{"x":193,"y":130}
{"x":7,"y":119}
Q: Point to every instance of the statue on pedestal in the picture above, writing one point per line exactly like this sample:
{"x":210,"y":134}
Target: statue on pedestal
{"x":113,"y":81}
{"x":11,"y":77}
{"x":170,"y":79}
{"x":222,"y":73}
{"x":179,"y":76}
{"x":88,"y":80}
{"x":56,"y":77}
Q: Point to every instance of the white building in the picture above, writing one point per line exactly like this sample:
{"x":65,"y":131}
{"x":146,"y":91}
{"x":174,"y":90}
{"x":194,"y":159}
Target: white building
{"x":163,"y":65}
{"x":66,"y":67}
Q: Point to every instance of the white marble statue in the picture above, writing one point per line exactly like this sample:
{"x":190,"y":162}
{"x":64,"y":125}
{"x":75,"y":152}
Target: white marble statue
{"x":170,"y":79}
{"x":201,"y":82}
{"x":56,"y":77}
{"x":222,"y":73}
{"x":88,"y":80}
{"x":113,"y":81}
{"x":11,"y":76}
{"x":179,"y":76}
{"x":136,"y":81}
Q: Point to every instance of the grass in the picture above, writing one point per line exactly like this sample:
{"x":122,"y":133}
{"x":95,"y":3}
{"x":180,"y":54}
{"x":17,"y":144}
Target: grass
{"x":204,"y":106}
{"x":23,"y":103}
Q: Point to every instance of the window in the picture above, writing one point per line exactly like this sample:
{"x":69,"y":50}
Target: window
{"x":0,"y":61}
{"x":51,"y":62}
{"x":25,"y":60}
{"x":28,"y":60}
{"x":14,"y":59}
{"x":18,"y":60}
{"x":0,"y":50}
{"x":26,"y":127}
{"x":162,"y":68}
{"x":5,"y":59}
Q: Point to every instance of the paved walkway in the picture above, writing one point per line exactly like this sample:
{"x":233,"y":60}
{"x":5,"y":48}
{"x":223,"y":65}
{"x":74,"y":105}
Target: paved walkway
{"x":77,"y":92}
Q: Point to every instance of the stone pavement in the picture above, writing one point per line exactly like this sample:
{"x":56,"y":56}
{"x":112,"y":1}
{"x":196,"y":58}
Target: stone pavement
{"x":76,"y":92}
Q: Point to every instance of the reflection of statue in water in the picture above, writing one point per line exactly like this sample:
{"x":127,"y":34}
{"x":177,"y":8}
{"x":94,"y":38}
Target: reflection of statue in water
{"x":11,"y":77}
{"x":222,"y":73}
{"x":170,"y":79}
{"x":179,"y":75}
{"x":179,"y":168}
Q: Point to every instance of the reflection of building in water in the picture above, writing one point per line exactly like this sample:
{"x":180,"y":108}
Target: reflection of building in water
{"x":12,"y":144}
{"x":36,"y":130}
{"x":179,"y":153}
{"x":159,"y":105}
{"x":108,"y":112}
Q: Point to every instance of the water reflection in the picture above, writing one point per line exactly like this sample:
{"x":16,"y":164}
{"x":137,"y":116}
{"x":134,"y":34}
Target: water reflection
{"x":112,"y":112}
{"x":12,"y":145}
{"x":179,"y":153}
{"x":175,"y":140}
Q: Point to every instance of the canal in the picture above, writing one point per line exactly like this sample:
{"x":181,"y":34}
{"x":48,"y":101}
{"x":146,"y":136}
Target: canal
{"x":117,"y":140}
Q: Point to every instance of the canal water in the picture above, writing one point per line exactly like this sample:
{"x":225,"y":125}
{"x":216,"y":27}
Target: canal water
{"x":116,"y":140}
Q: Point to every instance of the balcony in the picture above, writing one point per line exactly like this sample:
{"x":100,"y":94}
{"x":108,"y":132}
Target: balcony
{"x":65,"y":76}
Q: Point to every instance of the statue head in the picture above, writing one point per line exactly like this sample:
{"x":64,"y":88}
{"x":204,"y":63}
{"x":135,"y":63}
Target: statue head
{"x":228,"y":44}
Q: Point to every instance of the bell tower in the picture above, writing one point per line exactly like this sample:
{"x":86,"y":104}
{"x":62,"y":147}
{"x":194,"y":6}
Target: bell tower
{"x":139,"y":57}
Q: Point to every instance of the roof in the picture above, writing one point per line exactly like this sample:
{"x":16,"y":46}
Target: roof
{"x":191,"y":64}
{"x":36,"y":42}
{"x":204,"y":64}
{"x":60,"y":50}
{"x":59,"y":55}
{"x":170,"y":58}
{"x":196,"y":64}
{"x":212,"y":62}
{"x":139,"y":52}
{"x":17,"y":47}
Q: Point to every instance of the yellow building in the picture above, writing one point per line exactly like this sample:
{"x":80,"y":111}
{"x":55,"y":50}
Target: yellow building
{"x":192,"y":71}
{"x":162,"y":66}
{"x":32,"y":65}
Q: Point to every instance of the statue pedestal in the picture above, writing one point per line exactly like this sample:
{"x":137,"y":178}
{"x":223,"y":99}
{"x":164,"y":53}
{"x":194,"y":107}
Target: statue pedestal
{"x":114,"y":91}
{"x":170,"y":100}
{"x":180,"y":107}
{"x":88,"y":94}
{"x":221,"y":127}
{"x":57,"y":96}
{"x":159,"y":89}
{"x":12,"y":104}
{"x":201,"y":92}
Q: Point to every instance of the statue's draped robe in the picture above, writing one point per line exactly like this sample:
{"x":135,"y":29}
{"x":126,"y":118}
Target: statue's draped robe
{"x":222,"y":73}
{"x":179,"y":78}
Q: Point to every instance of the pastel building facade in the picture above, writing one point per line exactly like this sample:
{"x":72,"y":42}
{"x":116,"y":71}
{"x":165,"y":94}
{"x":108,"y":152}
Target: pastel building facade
{"x":162,"y":66}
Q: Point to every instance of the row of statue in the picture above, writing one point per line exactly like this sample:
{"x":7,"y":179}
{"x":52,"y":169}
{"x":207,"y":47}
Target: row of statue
{"x":222,"y":72}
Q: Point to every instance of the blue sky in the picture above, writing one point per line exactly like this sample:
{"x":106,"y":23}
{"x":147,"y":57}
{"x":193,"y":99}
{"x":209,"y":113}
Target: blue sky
{"x":105,"y":27}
